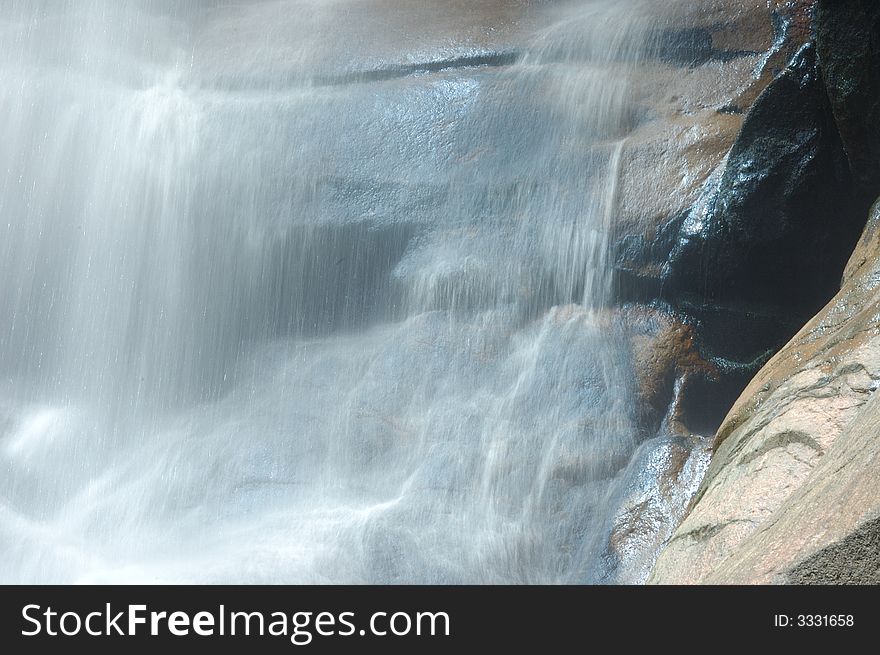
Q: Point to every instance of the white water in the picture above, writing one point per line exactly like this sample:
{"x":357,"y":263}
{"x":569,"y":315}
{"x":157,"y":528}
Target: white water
{"x":268,"y":317}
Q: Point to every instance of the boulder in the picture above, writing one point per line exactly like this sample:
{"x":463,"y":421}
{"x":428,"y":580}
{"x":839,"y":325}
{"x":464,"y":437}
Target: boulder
{"x":666,"y":469}
{"x":663,"y":476}
{"x":712,"y":61}
{"x":764,"y":246}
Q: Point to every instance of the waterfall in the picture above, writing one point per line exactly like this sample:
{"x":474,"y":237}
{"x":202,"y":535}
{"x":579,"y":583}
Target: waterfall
{"x":312,"y":291}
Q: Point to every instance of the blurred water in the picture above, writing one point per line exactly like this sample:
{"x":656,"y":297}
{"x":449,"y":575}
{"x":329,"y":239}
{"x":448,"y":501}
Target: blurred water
{"x":295,"y":292}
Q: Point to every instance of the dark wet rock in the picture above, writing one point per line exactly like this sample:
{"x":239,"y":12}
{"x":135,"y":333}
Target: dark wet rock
{"x":730,"y":184}
{"x":764,"y":247}
{"x":792,"y":28}
{"x":693,"y":47}
{"x":848,"y":41}
{"x":638,"y":262}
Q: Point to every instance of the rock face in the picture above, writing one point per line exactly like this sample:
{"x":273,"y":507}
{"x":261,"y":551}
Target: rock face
{"x":749,"y":158}
{"x":665,"y":474}
{"x":665,"y":362}
{"x":733,"y":231}
{"x":745,"y":243}
{"x":420,"y":84}
{"x":694,"y":98}
{"x":792,"y":492}
{"x":665,"y":470}
{"x":763,"y":248}
{"x":848,"y":39}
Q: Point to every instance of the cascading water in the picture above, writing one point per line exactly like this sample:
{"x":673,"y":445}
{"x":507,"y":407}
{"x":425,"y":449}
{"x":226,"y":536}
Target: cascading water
{"x":297,"y":291}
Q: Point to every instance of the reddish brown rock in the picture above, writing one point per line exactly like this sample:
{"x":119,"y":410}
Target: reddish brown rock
{"x":665,"y":362}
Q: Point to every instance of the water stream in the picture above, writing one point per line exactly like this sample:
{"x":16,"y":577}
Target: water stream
{"x":312,"y":290}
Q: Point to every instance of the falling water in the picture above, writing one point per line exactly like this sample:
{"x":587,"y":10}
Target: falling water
{"x":311,"y":290}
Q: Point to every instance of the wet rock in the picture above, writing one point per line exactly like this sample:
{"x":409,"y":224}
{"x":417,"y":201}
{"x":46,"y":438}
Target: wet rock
{"x":765,"y":245}
{"x":721,"y":182}
{"x":693,"y":47}
{"x":665,"y":362}
{"x":848,"y":41}
{"x":665,"y":474}
{"x":732,"y":24}
{"x":308,"y":41}
{"x":683,"y":148}
{"x":357,"y":258}
{"x":693,"y":119}
{"x":737,"y":28}
{"x":792,"y":27}
{"x":793,"y":476}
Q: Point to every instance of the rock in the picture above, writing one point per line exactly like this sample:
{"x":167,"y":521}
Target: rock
{"x":693,"y":134}
{"x":327,"y":43}
{"x":683,"y":143}
{"x":757,"y":254}
{"x":855,"y":559}
{"x":736,"y":25}
{"x":690,"y":120}
{"x":792,"y":21}
{"x":665,"y":473}
{"x":848,"y":40}
{"x":793,"y":478}
{"x":665,"y":363}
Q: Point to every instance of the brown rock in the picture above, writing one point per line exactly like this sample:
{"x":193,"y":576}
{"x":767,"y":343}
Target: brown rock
{"x":665,"y":357}
{"x":744,"y":26}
